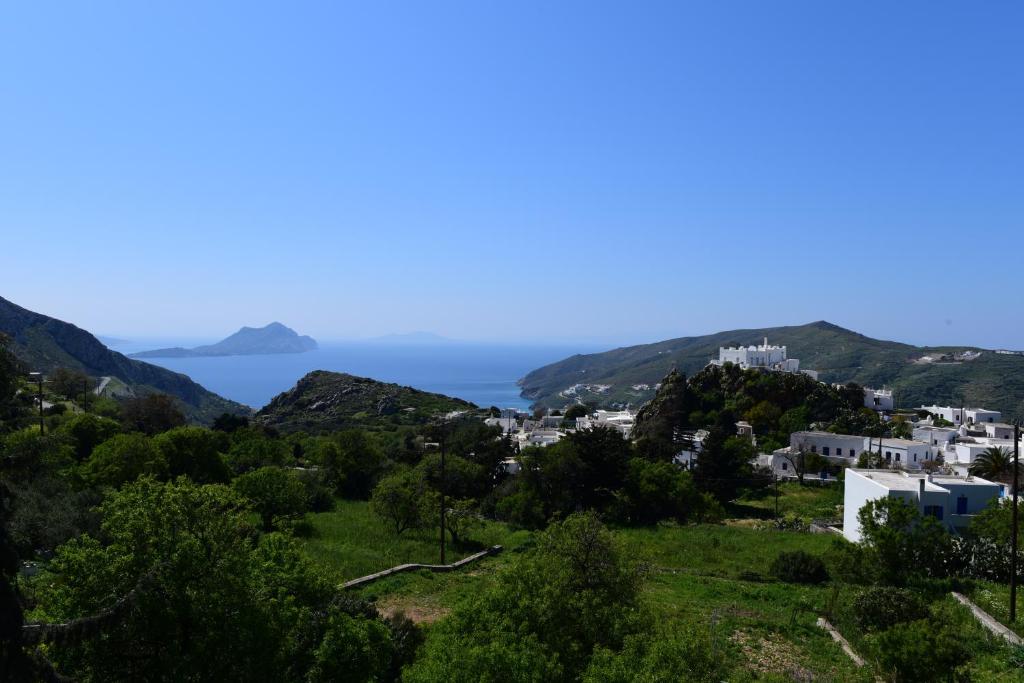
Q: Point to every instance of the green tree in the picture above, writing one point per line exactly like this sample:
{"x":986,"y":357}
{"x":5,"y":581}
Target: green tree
{"x":275,"y":494}
{"x":661,"y":490}
{"x":361,"y":464}
{"x":87,"y":431}
{"x":122,"y":459}
{"x":10,"y":374}
{"x":461,"y":518}
{"x":399,"y":500}
{"x":994,"y":463}
{"x":903,"y":542}
{"x":353,"y":648}
{"x":151,"y":414}
{"x":189,"y":594}
{"x":69,"y":383}
{"x":724,"y":465}
{"x":194,"y":452}
{"x":544,"y":616}
{"x":254,"y":450}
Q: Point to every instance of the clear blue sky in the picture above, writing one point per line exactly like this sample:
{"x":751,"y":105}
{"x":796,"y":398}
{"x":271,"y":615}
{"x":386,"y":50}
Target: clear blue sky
{"x":520,"y":170}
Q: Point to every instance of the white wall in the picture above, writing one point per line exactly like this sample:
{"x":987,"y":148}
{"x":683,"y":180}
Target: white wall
{"x":817,"y":442}
{"x":857,"y":491}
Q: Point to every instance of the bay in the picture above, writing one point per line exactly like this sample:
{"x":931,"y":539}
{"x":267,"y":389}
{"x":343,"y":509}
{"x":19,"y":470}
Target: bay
{"x":483,"y":373}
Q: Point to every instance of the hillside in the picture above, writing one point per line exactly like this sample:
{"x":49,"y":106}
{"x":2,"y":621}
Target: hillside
{"x":629,"y":374}
{"x":44,"y":343}
{"x":330,"y":400}
{"x":248,"y":341}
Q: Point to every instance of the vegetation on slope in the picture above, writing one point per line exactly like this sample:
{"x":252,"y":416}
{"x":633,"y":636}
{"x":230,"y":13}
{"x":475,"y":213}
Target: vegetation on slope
{"x":331,"y":400}
{"x":45,"y":344}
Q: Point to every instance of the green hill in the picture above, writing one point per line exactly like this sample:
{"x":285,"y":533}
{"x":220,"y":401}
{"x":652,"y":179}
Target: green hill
{"x":331,"y":400}
{"x":839,"y":355}
{"x":44,"y":344}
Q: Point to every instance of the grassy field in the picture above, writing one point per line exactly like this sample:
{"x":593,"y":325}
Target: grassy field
{"x":351,"y":542}
{"x":714,"y":577}
{"x":717,"y":550}
{"x":809,"y":502}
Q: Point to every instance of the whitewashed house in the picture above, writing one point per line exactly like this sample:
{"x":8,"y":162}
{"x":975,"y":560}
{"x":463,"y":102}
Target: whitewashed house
{"x":879,"y":399}
{"x":904,"y":453}
{"x":839,"y":448}
{"x":959,"y":416}
{"x":622,"y":420}
{"x":950,"y":499}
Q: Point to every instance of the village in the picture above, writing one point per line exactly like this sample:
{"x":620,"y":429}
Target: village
{"x":932,"y":469}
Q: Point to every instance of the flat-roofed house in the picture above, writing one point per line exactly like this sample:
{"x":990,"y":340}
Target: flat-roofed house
{"x":952,"y":500}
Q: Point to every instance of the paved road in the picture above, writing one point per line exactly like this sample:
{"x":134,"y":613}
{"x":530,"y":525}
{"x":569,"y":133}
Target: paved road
{"x":104,"y":381}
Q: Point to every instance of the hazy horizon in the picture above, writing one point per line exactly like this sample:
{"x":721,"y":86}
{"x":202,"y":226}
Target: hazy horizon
{"x":533,"y":173}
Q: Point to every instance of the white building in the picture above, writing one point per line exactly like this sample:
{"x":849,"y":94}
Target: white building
{"x":507,"y":424}
{"x":879,"y":399}
{"x":621,"y":420}
{"x":904,"y":453}
{"x":761,"y":356}
{"x":539,"y":437}
{"x":952,"y":500}
{"x":958,"y":415}
{"x":827,"y":444}
{"x":694,"y":444}
{"x":940,"y":439}
{"x":998,"y":430}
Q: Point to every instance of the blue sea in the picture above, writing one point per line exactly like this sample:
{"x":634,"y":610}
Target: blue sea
{"x":485,"y":374}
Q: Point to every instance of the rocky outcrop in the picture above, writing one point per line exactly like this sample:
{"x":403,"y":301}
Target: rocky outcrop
{"x":328,"y":401}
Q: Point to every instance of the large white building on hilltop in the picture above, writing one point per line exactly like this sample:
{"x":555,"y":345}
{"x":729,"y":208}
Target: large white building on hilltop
{"x":760,"y":356}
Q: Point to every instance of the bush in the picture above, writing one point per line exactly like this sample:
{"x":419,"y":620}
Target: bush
{"x":799,"y":567}
{"x":880,"y":608}
{"x":919,"y":652}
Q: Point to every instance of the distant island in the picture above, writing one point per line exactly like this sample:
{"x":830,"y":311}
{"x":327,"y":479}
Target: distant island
{"x":248,"y":341}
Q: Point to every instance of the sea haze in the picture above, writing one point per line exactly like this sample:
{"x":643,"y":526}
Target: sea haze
{"x":485,"y":374}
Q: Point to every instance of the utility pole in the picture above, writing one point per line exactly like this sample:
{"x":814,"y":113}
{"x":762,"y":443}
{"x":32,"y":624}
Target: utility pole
{"x":1013,"y":541}
{"x":776,"y":477}
{"x":443,"y":430}
{"x":39,"y":378}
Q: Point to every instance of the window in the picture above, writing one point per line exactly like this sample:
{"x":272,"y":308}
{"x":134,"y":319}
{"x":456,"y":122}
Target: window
{"x":933,"y":511}
{"x":785,"y":466}
{"x":915,"y":457}
{"x":888,"y":455}
{"x":824,"y":450}
{"x":961,"y":505}
{"x":814,"y":449}
{"x":897,"y":457}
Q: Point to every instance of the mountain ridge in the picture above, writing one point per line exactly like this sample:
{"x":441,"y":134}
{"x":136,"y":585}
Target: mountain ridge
{"x":629,"y":374}
{"x":247,"y":341}
{"x":45,"y":343}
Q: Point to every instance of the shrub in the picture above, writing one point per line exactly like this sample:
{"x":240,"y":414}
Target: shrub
{"x":919,"y":652}
{"x":879,"y":608}
{"x":799,"y":567}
